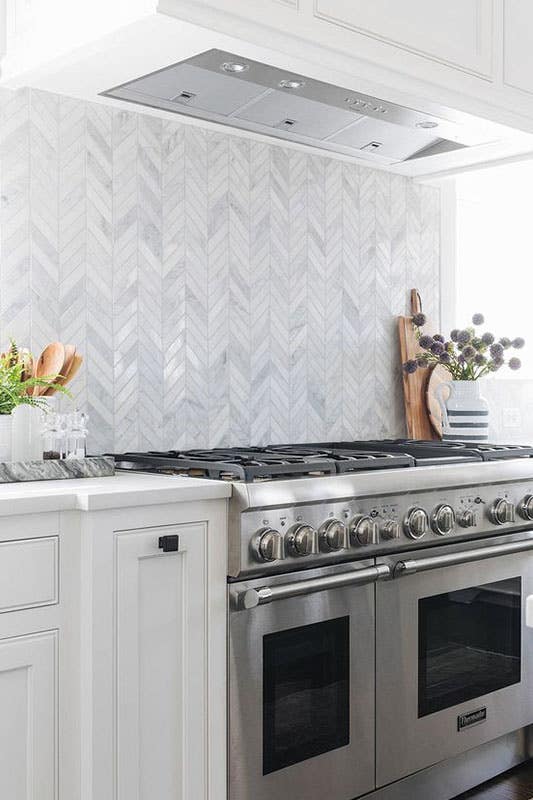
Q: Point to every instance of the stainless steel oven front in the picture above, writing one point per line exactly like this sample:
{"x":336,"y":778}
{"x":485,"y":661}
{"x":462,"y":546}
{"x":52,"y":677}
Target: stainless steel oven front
{"x":302,"y":683}
{"x":454,"y":651}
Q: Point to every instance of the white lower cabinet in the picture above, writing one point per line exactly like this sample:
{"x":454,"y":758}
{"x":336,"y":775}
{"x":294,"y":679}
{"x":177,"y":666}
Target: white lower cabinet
{"x":161,"y":639}
{"x":28,"y":718}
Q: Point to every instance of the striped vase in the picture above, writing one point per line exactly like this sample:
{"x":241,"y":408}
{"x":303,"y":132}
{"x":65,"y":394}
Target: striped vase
{"x":465,"y":414}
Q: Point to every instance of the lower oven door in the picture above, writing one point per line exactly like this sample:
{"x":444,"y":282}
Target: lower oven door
{"x":301,"y":685}
{"x":454,"y":651}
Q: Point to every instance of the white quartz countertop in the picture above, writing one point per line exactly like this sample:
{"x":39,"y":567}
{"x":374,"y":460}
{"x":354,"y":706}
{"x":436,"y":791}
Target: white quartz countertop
{"x":92,"y":494}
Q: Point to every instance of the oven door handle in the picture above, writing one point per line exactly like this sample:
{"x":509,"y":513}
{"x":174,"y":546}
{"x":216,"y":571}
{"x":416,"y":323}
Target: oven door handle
{"x":465,"y":557}
{"x":250,"y":598}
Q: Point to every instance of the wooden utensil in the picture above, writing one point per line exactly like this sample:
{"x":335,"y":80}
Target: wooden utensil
{"x":49,"y":365}
{"x":415,"y":385}
{"x":77,"y":361}
{"x":70,"y":352}
{"x":437,"y":376}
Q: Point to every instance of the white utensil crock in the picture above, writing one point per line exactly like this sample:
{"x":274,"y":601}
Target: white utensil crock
{"x":6,"y":428}
{"x":465,"y":414}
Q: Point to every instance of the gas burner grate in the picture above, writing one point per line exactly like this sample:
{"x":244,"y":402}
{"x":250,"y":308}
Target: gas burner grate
{"x":427,"y":453}
{"x":238,"y":464}
{"x":348,"y":459}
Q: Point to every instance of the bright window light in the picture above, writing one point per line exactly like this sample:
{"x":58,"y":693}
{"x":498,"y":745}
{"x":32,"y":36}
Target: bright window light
{"x":494,"y":254}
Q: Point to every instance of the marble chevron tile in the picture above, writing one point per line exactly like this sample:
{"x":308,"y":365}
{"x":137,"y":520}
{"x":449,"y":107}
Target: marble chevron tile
{"x":223,"y":290}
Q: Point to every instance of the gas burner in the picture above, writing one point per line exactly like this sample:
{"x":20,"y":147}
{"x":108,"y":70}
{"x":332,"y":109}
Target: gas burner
{"x":230,"y":464}
{"x":350,"y":459}
{"x":250,"y":464}
{"x":432,"y":453}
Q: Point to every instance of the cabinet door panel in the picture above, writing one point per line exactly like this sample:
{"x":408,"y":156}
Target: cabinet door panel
{"x":28,"y":728}
{"x":161,"y":665}
{"x":458,"y":32}
{"x":518,"y":53}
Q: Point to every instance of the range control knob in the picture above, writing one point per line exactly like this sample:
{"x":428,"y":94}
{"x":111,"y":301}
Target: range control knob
{"x":302,"y":540}
{"x":269,"y":545}
{"x":502,"y":511}
{"x":332,"y":535}
{"x":525,"y":509}
{"x":467,"y":519}
{"x":363,"y":530}
{"x":390,"y":529}
{"x":443,"y":520}
{"x":416,"y":523}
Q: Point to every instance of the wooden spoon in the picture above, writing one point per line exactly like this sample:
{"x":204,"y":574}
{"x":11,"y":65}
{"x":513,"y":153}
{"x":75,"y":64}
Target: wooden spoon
{"x":49,"y":365}
{"x":77,"y":361}
{"x":70,"y":352}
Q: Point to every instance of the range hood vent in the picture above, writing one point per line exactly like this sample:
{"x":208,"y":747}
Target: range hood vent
{"x":232,"y":90}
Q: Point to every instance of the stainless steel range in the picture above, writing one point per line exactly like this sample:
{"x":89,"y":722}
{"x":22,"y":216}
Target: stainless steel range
{"x":380,"y":600}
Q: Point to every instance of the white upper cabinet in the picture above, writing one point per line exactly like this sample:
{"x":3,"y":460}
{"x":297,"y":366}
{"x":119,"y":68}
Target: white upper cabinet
{"x":517,"y":45}
{"x":474,"y":56}
{"x":457,"y":32}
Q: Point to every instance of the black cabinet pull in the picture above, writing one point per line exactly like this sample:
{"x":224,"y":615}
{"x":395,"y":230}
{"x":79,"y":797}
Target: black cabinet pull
{"x":169,"y":544}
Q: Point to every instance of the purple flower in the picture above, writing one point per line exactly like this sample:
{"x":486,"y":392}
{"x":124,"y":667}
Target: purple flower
{"x":496,"y":350}
{"x":461,"y":359}
{"x":514,"y":363}
{"x":454,"y":335}
{"x":478,"y":319}
{"x":426,"y":342}
{"x":488,"y":338}
{"x":469,"y":352}
{"x":438,"y":338}
{"x":494,"y":366}
{"x":505,"y":342}
{"x":518,"y":343}
{"x":410,"y":366}
{"x":480,"y":359}
{"x":437,"y":348}
{"x":445,"y":358}
{"x":463,"y":337}
{"x":477,"y":343}
{"x":419,"y":320}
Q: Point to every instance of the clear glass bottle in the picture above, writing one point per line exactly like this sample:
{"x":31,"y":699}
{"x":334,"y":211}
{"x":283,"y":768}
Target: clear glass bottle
{"x":52,"y":437}
{"x":76,"y":436}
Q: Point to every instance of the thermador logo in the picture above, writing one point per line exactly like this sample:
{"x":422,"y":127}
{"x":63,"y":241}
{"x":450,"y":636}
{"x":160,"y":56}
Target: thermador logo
{"x":471,"y":718}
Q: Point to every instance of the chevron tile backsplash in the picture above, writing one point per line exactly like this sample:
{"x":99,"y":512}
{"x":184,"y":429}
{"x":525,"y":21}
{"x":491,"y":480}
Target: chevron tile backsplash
{"x":223,"y":290}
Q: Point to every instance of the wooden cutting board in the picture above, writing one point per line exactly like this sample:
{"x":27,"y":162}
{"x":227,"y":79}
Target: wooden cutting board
{"x":417,"y":417}
{"x":437,"y":376}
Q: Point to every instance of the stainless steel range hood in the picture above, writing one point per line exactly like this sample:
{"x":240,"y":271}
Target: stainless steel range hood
{"x":232,"y":90}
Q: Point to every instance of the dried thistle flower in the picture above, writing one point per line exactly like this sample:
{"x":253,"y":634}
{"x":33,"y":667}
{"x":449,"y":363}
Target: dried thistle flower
{"x":419,"y":320}
{"x":518,"y":343}
{"x":437,"y":348}
{"x":410,"y":366}
{"x":488,"y":338}
{"x":514,"y":363}
{"x":478,"y":319}
{"x":426,"y":342}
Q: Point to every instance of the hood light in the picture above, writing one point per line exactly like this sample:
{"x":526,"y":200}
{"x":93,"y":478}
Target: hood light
{"x":291,"y":84}
{"x":427,"y":124}
{"x":232,"y":66}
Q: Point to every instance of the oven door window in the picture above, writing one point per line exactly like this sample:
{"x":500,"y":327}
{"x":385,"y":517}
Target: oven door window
{"x":469,"y":644}
{"x":306,"y":705}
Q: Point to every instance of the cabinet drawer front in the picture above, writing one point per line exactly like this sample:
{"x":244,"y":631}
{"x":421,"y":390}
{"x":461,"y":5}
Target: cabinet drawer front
{"x":29,"y":570}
